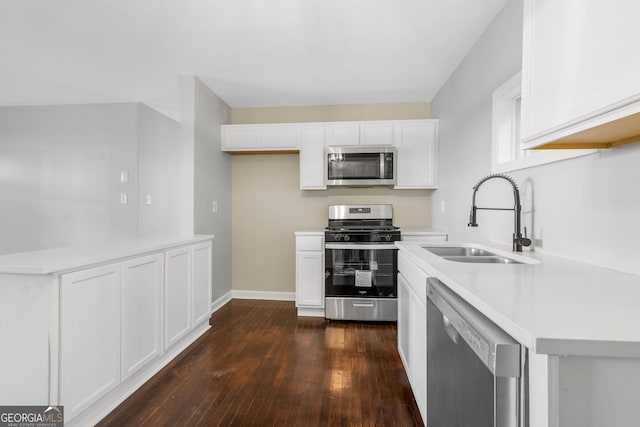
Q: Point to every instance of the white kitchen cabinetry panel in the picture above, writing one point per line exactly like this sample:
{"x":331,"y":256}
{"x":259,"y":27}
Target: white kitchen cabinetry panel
{"x":412,"y":328}
{"x":340,"y":134}
{"x":416,"y":144}
{"x":580,"y":69}
{"x":89,"y":337}
{"x":267,"y":137}
{"x":312,"y":158}
{"x":418,"y":351}
{"x":310,"y":275}
{"x":142,"y":312}
{"x":177,"y":295}
{"x":376,"y":133}
{"x":202,"y":282}
{"x":404,"y":307}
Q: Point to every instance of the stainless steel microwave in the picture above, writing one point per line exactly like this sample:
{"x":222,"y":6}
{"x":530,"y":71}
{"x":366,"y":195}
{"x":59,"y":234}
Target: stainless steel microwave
{"x":361,"y":166}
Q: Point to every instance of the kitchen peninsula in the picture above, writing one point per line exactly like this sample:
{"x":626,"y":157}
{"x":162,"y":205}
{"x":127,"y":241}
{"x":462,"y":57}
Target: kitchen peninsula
{"x":87,"y":326}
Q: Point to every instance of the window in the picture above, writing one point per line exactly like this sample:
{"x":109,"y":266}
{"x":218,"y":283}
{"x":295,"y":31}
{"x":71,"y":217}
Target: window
{"x":507,"y":153}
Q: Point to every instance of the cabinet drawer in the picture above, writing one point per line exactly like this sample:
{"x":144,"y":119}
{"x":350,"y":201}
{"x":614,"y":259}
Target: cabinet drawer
{"x":309,"y":243}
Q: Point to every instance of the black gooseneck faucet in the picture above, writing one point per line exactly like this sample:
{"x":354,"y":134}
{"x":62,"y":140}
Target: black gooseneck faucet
{"x":518,"y":239}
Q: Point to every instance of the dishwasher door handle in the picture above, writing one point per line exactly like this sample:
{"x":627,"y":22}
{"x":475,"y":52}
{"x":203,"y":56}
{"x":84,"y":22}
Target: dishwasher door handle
{"x":450,"y":330}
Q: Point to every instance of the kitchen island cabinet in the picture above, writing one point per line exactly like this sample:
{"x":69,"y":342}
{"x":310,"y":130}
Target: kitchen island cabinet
{"x":90,"y":303}
{"x":142,"y":312}
{"x":86,"y":325}
{"x":578,"y":323}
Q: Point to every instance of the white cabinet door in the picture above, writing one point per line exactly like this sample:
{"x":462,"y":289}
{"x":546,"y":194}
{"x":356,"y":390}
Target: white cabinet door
{"x":279,"y":137}
{"x":89,"y":336}
{"x":202,"y":282}
{"x":312,"y":164}
{"x":239,"y":137}
{"x":142,"y":312}
{"x":177,"y":304}
{"x":418,"y":352}
{"x":376,"y":133}
{"x":579,"y":66}
{"x":404,"y":315}
{"x":416,"y":144}
{"x":310,"y":271}
{"x":267,"y":137}
{"x":337,"y":134}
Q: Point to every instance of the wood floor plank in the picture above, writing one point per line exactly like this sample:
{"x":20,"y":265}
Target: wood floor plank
{"x":261,"y":365}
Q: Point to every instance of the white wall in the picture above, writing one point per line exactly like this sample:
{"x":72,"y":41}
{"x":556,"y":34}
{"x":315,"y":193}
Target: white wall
{"x":212,"y":181}
{"x":159,"y":172}
{"x":60,"y":175}
{"x":584,"y":208}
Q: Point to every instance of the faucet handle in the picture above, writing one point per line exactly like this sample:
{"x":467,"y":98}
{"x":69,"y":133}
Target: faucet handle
{"x":524,"y":241}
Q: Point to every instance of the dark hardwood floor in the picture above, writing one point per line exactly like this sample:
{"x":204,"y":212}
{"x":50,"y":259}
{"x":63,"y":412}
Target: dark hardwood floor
{"x":260,"y":365}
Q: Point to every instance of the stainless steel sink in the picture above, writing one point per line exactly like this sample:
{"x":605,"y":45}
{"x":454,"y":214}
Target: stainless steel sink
{"x":495,"y":259}
{"x":457,"y":251}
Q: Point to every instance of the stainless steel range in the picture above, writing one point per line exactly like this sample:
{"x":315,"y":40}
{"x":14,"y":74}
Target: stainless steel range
{"x":361,"y":263}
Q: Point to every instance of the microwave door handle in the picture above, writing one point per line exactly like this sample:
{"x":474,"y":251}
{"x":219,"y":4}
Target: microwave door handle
{"x":381,"y":166}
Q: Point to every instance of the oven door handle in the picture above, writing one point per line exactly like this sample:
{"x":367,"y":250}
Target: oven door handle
{"x":359,"y":246}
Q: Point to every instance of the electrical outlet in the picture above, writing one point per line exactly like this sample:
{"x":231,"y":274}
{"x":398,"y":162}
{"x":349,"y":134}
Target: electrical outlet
{"x":147,"y":200}
{"x":123,"y":198}
{"x":214,"y":206}
{"x":124,"y":176}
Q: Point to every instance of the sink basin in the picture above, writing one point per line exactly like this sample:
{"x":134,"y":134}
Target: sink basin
{"x":496,"y":259}
{"x":457,"y":251}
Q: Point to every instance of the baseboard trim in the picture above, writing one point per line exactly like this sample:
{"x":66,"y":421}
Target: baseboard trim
{"x":220,"y":302}
{"x":264,"y":295}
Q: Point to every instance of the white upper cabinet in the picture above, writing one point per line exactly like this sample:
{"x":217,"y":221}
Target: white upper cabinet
{"x":272,"y":137}
{"x":376,"y":133}
{"x":312,"y":158}
{"x":341,"y":134}
{"x":416,"y":144}
{"x":415,"y":141}
{"x":581,"y":84}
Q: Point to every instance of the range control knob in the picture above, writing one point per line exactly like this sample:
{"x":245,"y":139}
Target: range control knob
{"x":346,"y":238}
{"x":337,"y":237}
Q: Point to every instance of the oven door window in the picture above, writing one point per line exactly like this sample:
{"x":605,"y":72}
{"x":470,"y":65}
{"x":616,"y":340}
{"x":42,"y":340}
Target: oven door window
{"x":361,"y":272}
{"x":354,"y":166}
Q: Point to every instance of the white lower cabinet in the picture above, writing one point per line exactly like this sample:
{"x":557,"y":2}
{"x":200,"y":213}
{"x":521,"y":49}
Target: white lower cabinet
{"x":113,"y":319}
{"x":142,"y":313}
{"x":412,"y":329}
{"x":202,"y":279}
{"x":404,"y":314}
{"x":177,"y":283}
{"x":310,"y":275}
{"x":89,"y":337}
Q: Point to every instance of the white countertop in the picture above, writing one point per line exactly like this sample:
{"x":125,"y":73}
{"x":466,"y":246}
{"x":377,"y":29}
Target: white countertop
{"x":310,"y":232}
{"x":556,"y":306}
{"x":71,"y":258}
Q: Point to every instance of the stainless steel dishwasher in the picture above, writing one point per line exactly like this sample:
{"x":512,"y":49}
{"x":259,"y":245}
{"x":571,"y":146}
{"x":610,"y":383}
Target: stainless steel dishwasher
{"x":473,"y":367}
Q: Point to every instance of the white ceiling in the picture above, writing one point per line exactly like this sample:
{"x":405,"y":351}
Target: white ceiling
{"x":250,"y":52}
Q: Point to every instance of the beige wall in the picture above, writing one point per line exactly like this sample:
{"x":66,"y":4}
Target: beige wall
{"x":268,"y":205}
{"x":329,"y":113}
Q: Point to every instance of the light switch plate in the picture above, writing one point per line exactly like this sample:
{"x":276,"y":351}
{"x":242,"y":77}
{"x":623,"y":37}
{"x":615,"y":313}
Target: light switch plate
{"x":214,"y":206}
{"x":123,"y":198}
